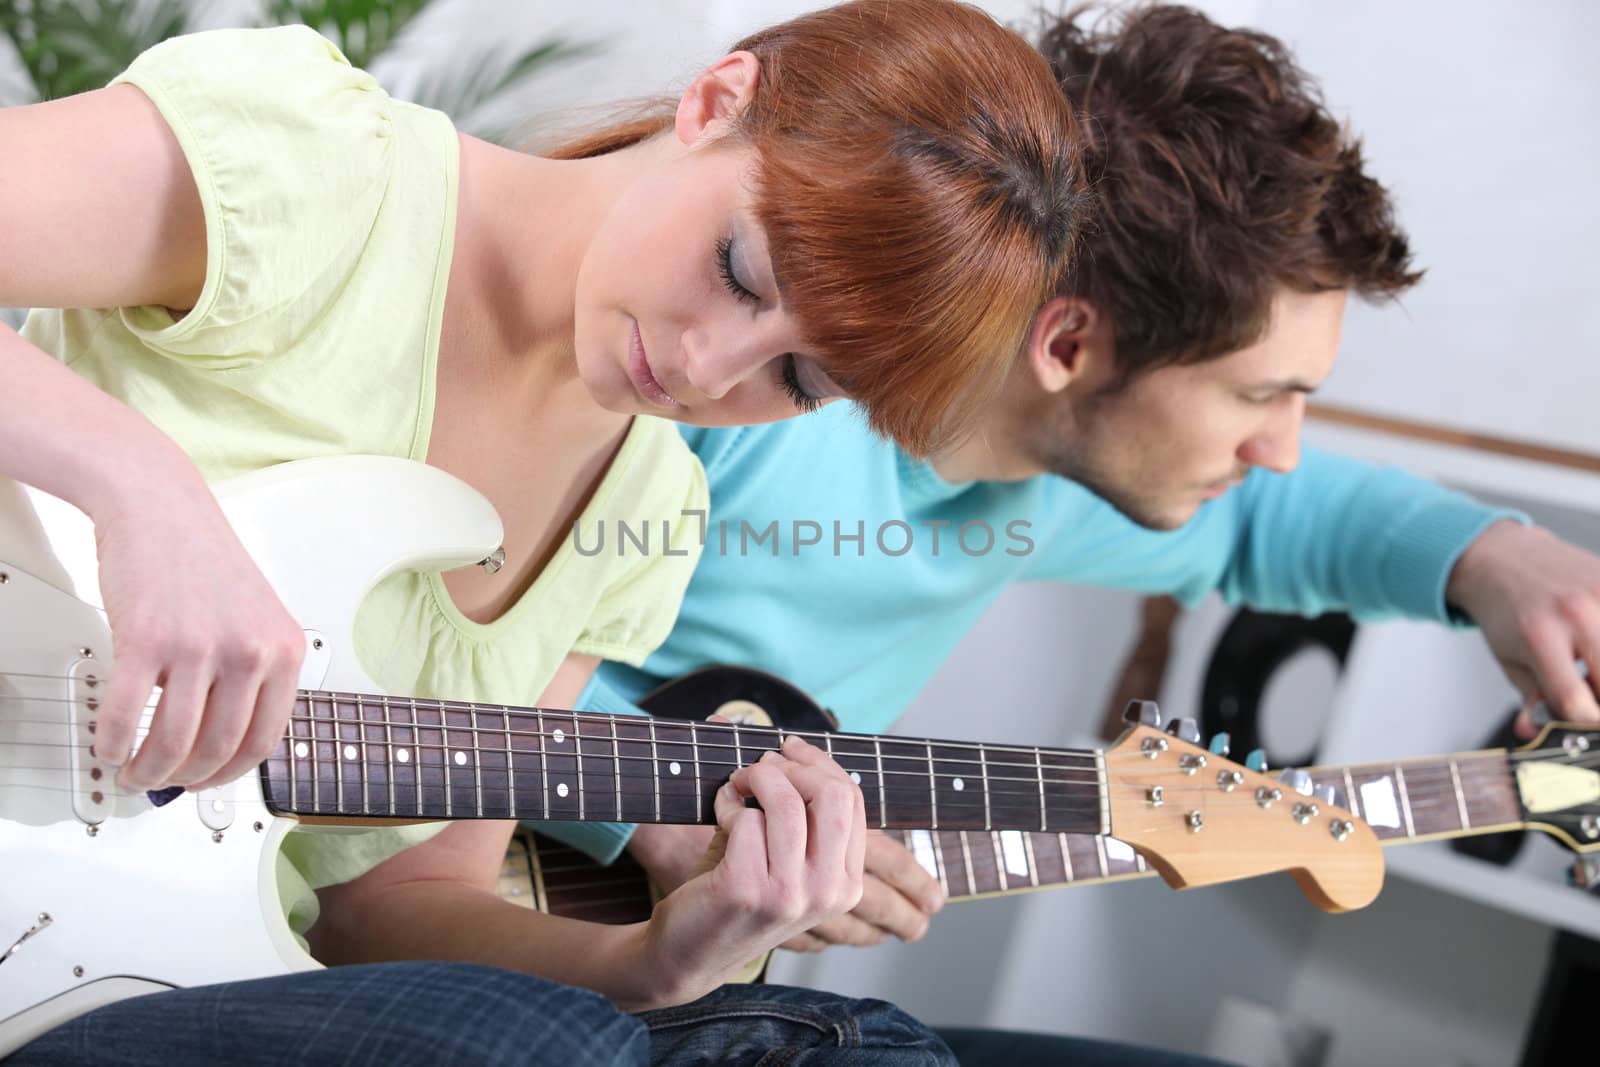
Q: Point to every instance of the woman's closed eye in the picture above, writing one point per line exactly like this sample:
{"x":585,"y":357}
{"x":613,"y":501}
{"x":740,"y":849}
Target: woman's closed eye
{"x":789,"y":377}
{"x":729,"y":278}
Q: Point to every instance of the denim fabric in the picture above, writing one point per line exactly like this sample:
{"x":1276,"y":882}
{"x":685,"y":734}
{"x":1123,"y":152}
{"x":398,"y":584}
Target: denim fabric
{"x":376,"y":1015}
{"x":777,"y":1026}
{"x":1012,"y":1048}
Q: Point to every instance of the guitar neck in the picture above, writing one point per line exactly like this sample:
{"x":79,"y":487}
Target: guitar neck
{"x":363,"y":757}
{"x":1410,"y":800}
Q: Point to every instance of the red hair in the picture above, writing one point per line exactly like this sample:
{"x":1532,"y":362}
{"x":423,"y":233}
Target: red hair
{"x":920,"y":186}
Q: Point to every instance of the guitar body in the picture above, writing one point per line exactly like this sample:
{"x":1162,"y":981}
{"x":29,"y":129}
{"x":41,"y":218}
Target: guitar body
{"x":90,"y":909}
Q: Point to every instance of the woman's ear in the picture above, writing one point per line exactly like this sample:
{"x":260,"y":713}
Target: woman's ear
{"x":714,"y":100}
{"x":1059,"y":342}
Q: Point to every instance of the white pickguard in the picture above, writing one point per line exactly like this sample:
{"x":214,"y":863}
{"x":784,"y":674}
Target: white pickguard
{"x":140,"y":898}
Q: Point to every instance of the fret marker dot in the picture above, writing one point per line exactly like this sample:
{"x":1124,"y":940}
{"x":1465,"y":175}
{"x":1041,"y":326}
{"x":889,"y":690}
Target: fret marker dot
{"x":301,"y":749}
{"x":561,"y":789}
{"x":403,"y":755}
{"x":560,"y":736}
{"x":349,"y":752}
{"x":674,"y":767}
{"x":855,"y":776}
{"x":461,"y":759}
{"x":960,"y":785}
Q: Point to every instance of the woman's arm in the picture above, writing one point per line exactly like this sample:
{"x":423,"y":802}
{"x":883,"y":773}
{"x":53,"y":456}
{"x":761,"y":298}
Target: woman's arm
{"x":98,"y":209}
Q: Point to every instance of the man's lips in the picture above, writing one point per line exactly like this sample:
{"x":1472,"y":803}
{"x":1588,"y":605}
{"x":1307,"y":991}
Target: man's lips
{"x":644,"y":379}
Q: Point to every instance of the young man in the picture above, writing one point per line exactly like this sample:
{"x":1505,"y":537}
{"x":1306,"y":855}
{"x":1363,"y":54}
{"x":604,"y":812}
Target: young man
{"x":1147,"y":439}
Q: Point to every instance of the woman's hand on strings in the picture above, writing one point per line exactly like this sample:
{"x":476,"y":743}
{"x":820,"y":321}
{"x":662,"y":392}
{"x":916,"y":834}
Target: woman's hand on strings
{"x":191,"y":613}
{"x":771,"y":872}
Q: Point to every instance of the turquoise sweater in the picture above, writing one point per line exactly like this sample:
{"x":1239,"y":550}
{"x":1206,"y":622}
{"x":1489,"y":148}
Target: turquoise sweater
{"x":876,"y":567}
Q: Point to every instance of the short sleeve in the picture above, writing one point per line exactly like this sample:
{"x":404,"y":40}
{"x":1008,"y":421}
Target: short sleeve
{"x":636,"y":610}
{"x":290,"y":148}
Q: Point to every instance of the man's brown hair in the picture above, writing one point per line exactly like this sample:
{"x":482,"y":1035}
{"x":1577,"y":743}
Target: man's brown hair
{"x":1221,"y":178}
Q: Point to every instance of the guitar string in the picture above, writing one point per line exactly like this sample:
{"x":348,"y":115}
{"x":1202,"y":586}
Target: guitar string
{"x":1029,"y":784}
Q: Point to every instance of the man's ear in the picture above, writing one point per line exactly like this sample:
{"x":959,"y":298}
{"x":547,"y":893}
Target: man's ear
{"x":716,"y":98}
{"x":1061,"y":342}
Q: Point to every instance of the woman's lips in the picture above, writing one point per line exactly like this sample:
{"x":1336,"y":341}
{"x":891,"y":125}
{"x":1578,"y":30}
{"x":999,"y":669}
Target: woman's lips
{"x":644,"y":379}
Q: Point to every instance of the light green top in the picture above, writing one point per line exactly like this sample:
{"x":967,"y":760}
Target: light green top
{"x":330,"y":221}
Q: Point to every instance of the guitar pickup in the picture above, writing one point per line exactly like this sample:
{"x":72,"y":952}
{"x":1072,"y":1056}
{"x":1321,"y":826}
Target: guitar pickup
{"x":93,"y":782}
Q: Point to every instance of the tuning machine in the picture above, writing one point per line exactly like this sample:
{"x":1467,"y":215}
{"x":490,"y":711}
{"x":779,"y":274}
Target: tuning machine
{"x":1142,"y":713}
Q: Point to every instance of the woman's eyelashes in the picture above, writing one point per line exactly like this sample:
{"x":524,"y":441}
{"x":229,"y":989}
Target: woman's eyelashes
{"x":790,"y":377}
{"x":729,"y":278}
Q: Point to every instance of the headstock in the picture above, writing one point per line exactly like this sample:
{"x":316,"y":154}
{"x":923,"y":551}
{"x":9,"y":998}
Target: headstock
{"x":1200,"y":818}
{"x":1558,"y":783}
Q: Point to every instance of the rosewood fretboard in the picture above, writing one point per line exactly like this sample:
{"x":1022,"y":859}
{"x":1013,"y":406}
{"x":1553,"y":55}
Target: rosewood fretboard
{"x":383,"y":757}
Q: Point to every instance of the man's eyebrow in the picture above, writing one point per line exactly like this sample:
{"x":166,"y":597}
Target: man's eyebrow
{"x":1287,"y":385}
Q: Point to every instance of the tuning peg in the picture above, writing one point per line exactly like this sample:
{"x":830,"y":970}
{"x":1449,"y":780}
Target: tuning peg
{"x":1142,"y":713}
{"x":1297,"y":780}
{"x":1185,"y":730}
{"x":1331,"y":795}
{"x":1256,"y":760}
{"x":1220,"y":742}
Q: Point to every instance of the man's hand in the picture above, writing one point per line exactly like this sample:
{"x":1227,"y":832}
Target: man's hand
{"x":897,"y":897}
{"x":1537,"y":600}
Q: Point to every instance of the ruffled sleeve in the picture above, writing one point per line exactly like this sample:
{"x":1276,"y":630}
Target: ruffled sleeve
{"x":290,"y":147}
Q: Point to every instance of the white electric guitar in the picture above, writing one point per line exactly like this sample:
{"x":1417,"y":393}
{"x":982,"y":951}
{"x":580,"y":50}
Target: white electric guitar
{"x":107,"y":895}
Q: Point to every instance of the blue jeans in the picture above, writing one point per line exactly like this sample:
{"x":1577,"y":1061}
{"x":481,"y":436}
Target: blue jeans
{"x":463,"y":1014}
{"x":374,"y":1015}
{"x":460,"y":1014}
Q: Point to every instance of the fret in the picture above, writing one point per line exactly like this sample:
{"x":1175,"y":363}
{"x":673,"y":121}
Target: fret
{"x":1102,"y":791}
{"x":1066,"y":858}
{"x":477,"y":756}
{"x":1405,"y":801}
{"x":655,"y":768}
{"x":941,"y":874}
{"x":544,"y":761}
{"x":966,"y":862}
{"x":1044,"y":816}
{"x":416,"y":752}
{"x":338,"y":758}
{"x":361,"y":731}
{"x":388,"y":748}
{"x":616,"y":764}
{"x":577,"y":748}
{"x":316,"y":764}
{"x":1033,"y":868}
{"x":1100,"y":851}
{"x":983,"y":772}
{"x":999,"y":860}
{"x":1352,"y":804}
{"x":933,"y":786}
{"x":294,"y":757}
{"x":694,"y":749}
{"x":883,"y":801}
{"x":1461,"y":799}
{"x":511,"y":771}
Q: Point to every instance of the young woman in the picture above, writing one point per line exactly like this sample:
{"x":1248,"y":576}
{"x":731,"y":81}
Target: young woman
{"x":266,"y":258}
